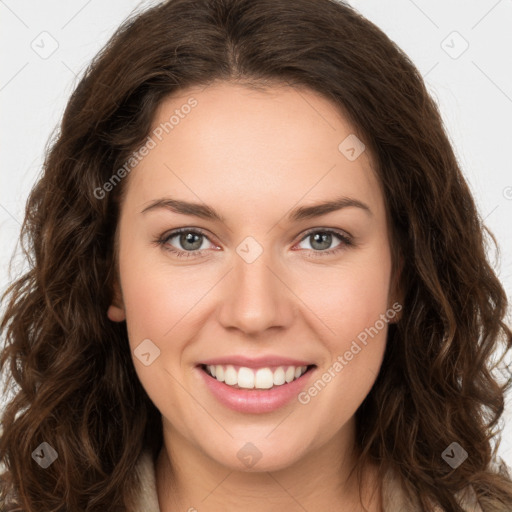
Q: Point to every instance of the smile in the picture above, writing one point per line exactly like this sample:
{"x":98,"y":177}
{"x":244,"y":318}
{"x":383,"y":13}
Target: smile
{"x":255,"y":390}
{"x":251,"y":378}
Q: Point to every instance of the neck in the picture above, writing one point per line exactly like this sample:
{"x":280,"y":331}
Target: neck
{"x":321,"y":480}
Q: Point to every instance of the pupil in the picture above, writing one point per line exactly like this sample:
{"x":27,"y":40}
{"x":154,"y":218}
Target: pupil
{"x":326,"y":237}
{"x":188,"y":238}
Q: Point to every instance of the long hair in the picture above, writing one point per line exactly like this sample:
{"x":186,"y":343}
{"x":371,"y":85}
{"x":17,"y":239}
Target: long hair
{"x":69,"y":366}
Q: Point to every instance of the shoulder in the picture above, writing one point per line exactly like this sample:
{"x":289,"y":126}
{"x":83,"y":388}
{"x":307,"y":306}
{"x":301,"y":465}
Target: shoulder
{"x":396,"y":499}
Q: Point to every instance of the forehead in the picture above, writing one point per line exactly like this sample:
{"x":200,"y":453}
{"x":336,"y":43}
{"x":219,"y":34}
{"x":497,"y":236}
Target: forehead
{"x":271,"y":147}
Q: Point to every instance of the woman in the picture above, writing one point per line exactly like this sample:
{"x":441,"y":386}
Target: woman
{"x":325,"y":342}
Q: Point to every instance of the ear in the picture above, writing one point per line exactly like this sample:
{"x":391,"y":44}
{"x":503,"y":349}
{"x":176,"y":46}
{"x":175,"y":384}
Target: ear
{"x":116,"y":311}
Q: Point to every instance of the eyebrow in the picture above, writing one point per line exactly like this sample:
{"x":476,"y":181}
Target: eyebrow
{"x":302,"y":212}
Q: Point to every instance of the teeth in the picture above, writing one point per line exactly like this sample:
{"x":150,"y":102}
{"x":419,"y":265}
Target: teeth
{"x":279,"y":376}
{"x":230,"y":376}
{"x":262,"y":378}
{"x":246,"y":378}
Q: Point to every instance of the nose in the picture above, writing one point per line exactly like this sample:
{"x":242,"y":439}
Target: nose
{"x":255,"y":296}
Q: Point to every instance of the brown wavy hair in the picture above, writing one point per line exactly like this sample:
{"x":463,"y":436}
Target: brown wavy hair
{"x":70,"y":369}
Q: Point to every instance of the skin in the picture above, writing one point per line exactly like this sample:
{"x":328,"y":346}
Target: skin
{"x":254,"y":155}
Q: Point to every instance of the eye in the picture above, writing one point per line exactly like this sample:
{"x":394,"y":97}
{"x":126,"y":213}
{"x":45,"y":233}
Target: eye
{"x":189,"y":239}
{"x":192,"y":242}
{"x":321,"y":240}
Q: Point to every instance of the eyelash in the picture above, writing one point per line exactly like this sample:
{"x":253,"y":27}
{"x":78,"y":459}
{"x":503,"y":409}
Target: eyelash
{"x":163,"y":239}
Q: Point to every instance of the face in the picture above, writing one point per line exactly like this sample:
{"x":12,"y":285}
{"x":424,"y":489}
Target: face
{"x":265,"y":284}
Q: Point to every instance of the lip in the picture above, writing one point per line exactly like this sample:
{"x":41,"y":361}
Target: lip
{"x":256,"y":362}
{"x":255,"y":401}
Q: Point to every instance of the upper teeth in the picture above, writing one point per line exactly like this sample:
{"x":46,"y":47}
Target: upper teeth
{"x":262,"y":378}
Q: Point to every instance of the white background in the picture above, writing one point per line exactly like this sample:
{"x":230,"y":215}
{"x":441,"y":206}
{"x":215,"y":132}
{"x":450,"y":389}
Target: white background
{"x":473,"y":90}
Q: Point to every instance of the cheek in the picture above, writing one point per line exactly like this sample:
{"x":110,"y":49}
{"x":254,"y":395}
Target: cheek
{"x":355,"y":343}
{"x":156,"y":296}
{"x":350,"y":306}
{"x":349,"y":297}
{"x":158,"y":308}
